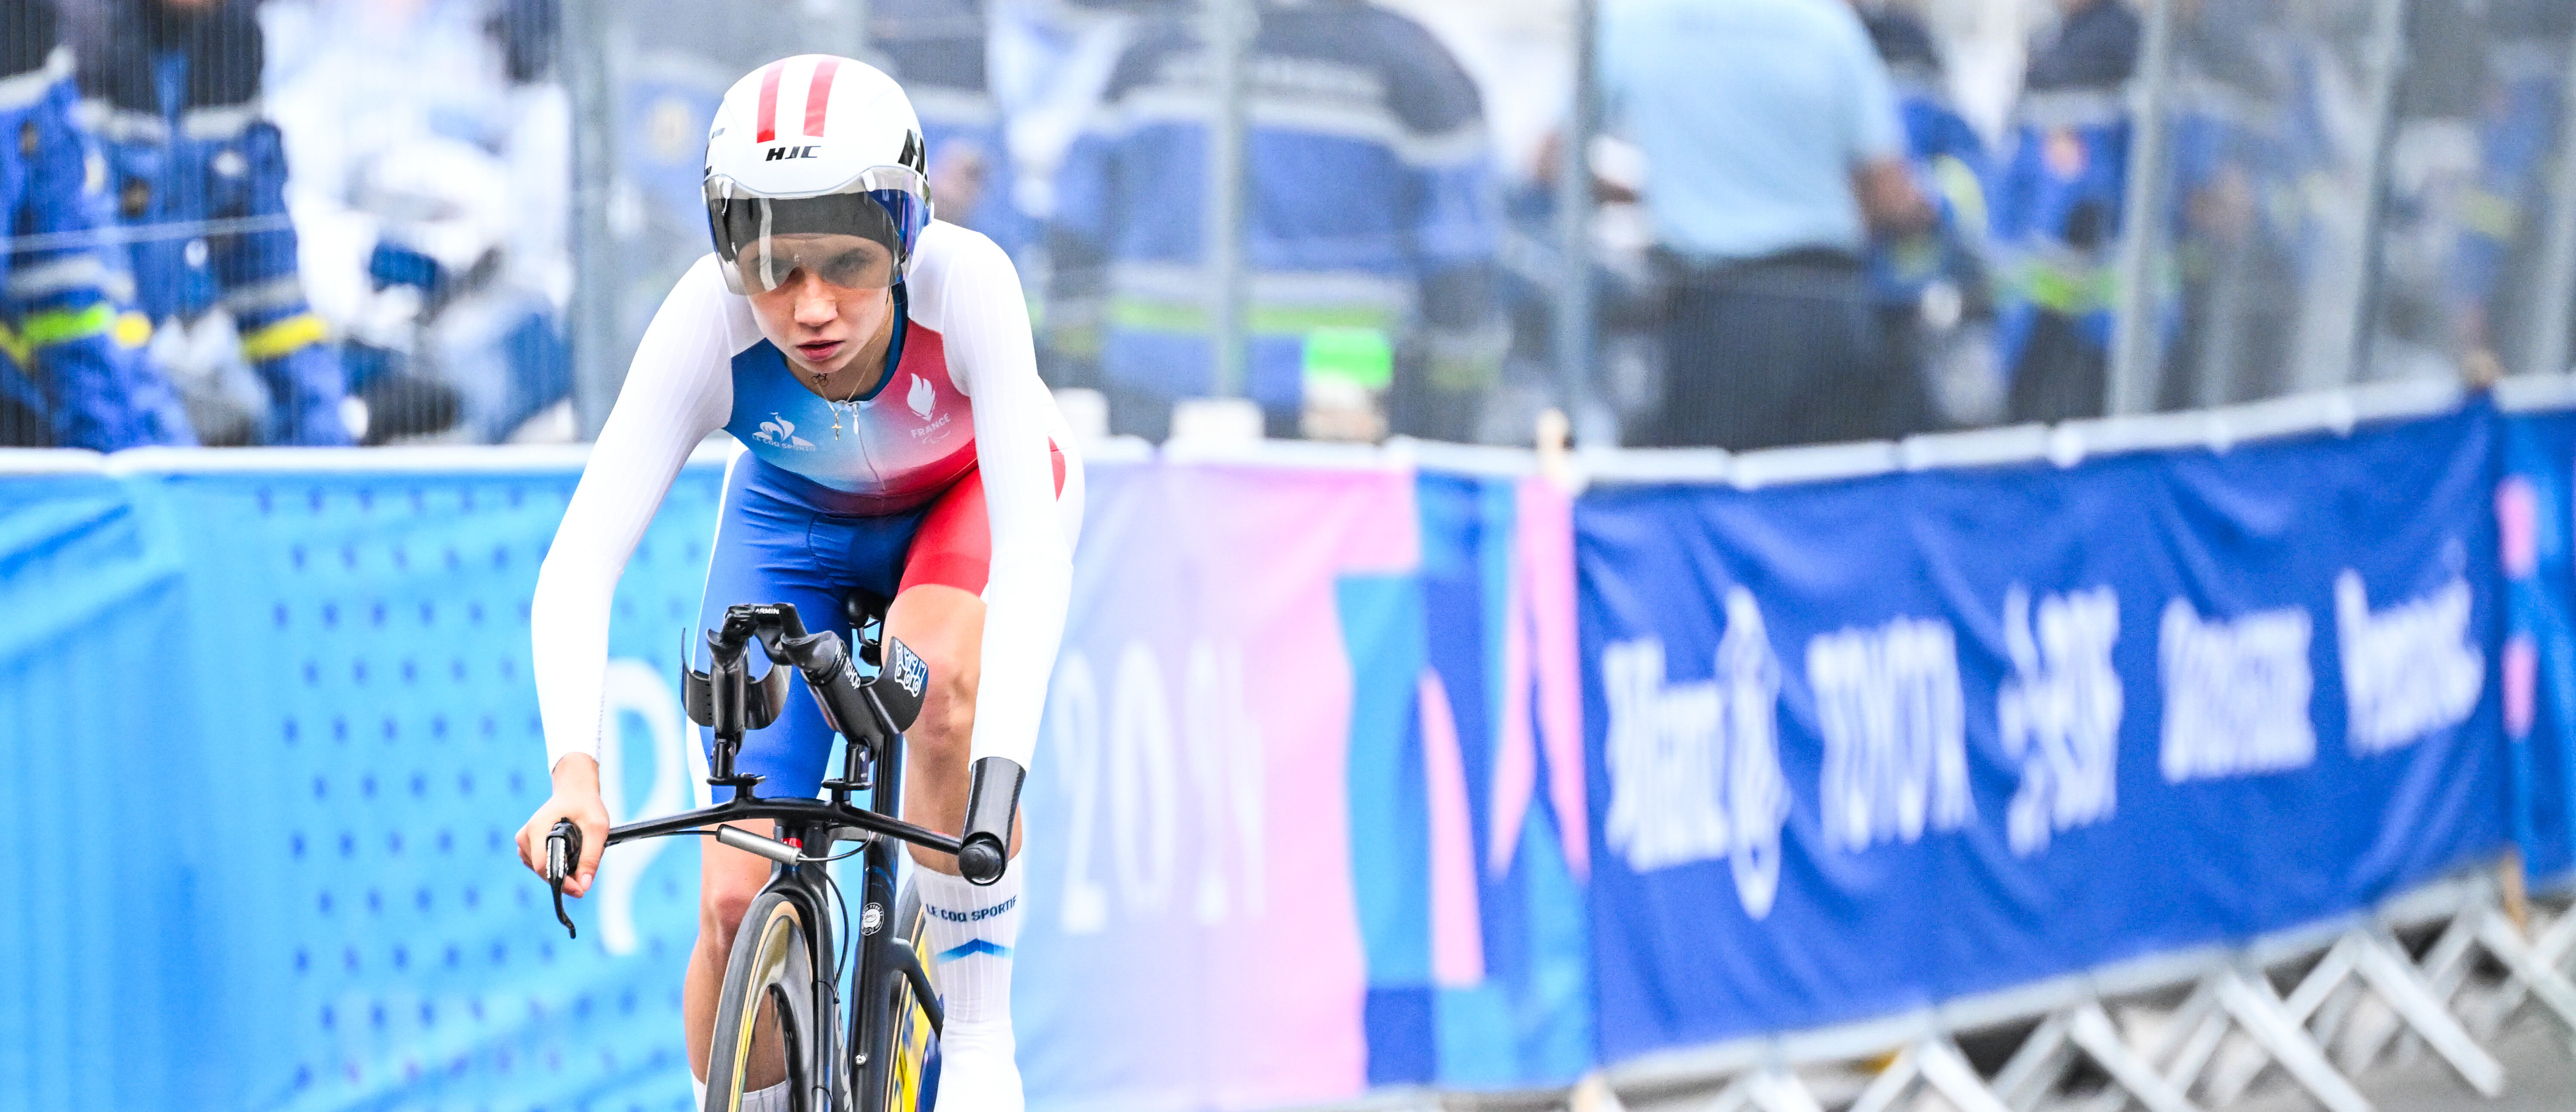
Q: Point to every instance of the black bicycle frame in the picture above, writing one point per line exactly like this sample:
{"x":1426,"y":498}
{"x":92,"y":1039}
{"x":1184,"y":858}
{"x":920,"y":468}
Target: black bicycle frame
{"x":870,"y":721}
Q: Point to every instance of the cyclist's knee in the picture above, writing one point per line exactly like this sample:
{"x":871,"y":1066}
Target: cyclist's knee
{"x":725,"y":896}
{"x":946,"y":714}
{"x":945,"y":627}
{"x":947,"y":721}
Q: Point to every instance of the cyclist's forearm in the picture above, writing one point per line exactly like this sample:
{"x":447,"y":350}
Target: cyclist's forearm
{"x":568,"y":623}
{"x":1025,"y":602}
{"x":1029,"y":580}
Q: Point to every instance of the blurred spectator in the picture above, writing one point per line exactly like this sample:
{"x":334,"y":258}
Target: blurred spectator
{"x":2239,"y":158}
{"x":1372,"y":208}
{"x":1532,"y":274}
{"x":2432,"y":165}
{"x":71,"y":372}
{"x":1935,"y":308}
{"x":936,"y":49}
{"x":2495,"y":275}
{"x":1773,"y":149}
{"x":2057,"y":211}
{"x":470,"y":255}
{"x":199,"y":175}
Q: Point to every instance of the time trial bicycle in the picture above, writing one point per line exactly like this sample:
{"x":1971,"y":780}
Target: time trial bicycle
{"x":780,"y":1014}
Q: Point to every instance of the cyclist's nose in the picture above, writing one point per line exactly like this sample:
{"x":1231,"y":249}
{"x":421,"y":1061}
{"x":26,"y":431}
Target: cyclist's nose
{"x":815,"y":305}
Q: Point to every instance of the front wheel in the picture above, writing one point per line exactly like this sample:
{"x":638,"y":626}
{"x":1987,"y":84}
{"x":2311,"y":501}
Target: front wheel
{"x":900,"y":1070}
{"x":765,"y":1019}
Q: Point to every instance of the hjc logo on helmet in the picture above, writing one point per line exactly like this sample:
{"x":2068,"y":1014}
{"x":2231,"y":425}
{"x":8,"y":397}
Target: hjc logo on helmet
{"x":781,"y":153}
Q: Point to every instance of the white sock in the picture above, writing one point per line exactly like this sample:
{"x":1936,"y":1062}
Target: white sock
{"x":968,"y":941}
{"x":771,"y":1099}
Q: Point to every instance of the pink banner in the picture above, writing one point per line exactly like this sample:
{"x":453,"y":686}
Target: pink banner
{"x":1191,"y":940}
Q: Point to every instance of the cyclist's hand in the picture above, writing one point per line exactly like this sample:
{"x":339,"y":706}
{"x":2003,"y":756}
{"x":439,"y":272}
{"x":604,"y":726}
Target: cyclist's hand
{"x":577,"y":798}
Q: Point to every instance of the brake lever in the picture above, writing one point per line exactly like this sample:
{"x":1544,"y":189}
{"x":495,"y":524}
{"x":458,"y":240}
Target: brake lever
{"x":563,"y":851}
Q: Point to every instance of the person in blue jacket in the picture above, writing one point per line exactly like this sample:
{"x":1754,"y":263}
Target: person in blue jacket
{"x":1930,"y":283}
{"x":1372,"y":212}
{"x":72,"y":373}
{"x":174,"y":88}
{"x":2057,"y":207}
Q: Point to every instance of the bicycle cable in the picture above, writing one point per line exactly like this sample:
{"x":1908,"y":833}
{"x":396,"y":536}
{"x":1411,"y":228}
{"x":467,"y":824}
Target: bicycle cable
{"x":801,"y":858}
{"x":840,"y":953}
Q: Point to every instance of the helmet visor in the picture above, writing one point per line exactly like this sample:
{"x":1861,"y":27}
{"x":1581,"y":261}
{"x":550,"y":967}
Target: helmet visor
{"x":858,"y":238}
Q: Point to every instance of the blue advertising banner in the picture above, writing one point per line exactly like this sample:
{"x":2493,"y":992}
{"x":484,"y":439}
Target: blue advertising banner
{"x":96,"y":852}
{"x":2536,"y":548}
{"x":286,"y":730}
{"x":373,"y":746}
{"x":1864,"y":745}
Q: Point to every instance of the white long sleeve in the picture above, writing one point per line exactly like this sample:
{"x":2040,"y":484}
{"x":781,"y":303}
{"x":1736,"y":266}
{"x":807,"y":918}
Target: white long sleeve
{"x":1030,"y":582}
{"x":678,"y":390}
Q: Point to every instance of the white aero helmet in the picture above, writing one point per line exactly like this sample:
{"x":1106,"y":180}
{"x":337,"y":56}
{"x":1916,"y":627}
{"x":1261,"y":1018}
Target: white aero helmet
{"x":809,"y":147}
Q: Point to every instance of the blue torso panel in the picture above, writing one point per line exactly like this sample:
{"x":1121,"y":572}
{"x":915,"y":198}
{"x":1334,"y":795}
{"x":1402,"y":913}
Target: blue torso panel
{"x":893,"y":448}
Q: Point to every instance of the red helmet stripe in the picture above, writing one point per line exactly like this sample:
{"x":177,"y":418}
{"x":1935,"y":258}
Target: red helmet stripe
{"x":768,"y":122}
{"x":818,"y":95}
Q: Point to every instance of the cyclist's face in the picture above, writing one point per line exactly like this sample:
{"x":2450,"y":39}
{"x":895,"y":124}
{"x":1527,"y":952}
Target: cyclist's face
{"x":821,"y":323}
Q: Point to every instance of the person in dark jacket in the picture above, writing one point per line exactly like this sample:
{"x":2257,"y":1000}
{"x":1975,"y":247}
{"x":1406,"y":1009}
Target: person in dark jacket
{"x":1935,"y":306}
{"x":174,"y":89}
{"x":1372,"y":215}
{"x":2058,"y":203}
{"x":936,"y":48}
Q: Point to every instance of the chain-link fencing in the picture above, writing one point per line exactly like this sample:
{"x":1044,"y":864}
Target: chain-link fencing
{"x":326,"y":221}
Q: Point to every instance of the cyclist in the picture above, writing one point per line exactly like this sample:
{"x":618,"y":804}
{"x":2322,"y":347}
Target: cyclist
{"x":877,"y":366}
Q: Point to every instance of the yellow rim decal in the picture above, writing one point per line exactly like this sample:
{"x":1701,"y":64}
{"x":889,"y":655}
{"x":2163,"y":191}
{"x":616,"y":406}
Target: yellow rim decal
{"x":770,"y":966}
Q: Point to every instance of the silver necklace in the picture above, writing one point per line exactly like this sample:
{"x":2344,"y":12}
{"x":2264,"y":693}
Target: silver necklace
{"x":852,"y":402}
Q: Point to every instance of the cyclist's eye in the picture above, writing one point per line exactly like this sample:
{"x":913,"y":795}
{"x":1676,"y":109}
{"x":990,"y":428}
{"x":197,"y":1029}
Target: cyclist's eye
{"x":766,"y":271}
{"x":856,"y":269}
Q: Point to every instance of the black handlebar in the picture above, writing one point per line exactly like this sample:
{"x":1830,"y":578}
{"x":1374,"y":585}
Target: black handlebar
{"x":563,"y":855}
{"x":992,"y":804}
{"x":870,"y":713}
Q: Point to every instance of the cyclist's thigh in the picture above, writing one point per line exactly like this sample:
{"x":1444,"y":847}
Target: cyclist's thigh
{"x":954,"y":547}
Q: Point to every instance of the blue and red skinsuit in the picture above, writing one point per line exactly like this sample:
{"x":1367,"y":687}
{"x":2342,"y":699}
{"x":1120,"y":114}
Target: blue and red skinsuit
{"x":74,"y":371}
{"x":176,"y":96}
